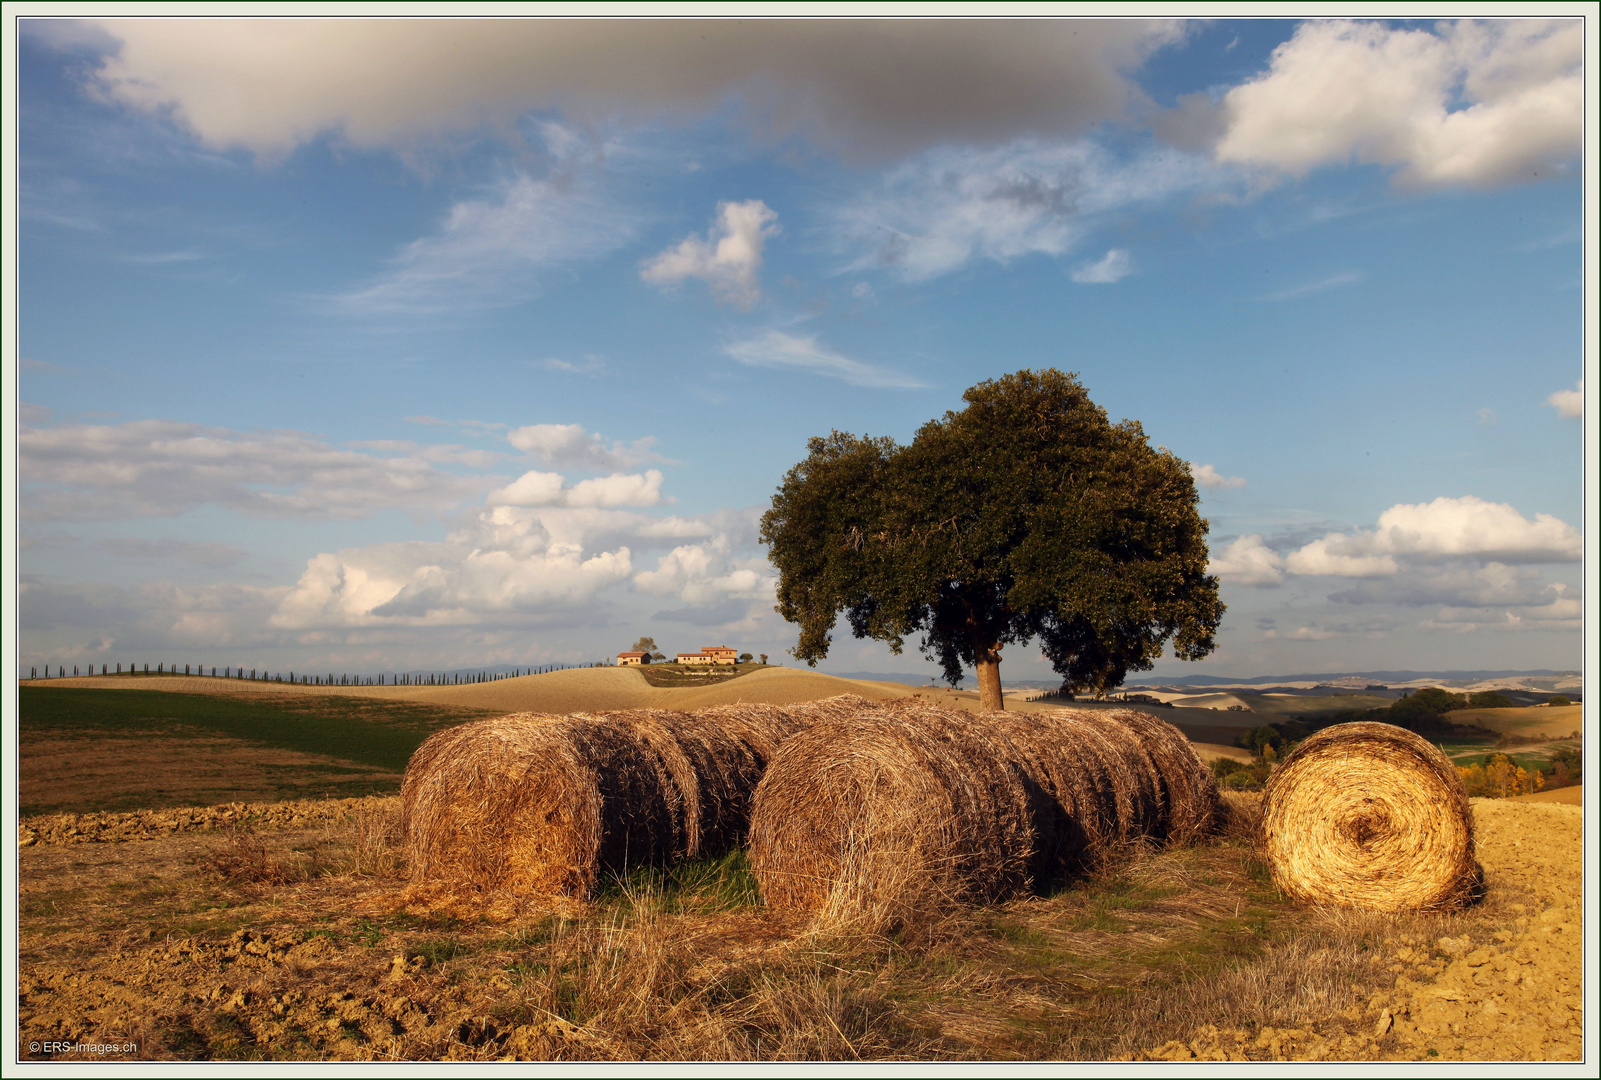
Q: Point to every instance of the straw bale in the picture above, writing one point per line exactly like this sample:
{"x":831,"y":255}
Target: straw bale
{"x":536,"y":804}
{"x":1191,"y":805}
{"x":1370,"y":816}
{"x":882,"y":814}
{"x":933,"y":802}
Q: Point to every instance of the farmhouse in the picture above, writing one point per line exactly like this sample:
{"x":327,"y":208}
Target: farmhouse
{"x":626,"y":658}
{"x":710,"y":654}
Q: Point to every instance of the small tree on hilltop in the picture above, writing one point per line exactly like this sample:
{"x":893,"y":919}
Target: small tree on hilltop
{"x":646,"y":645}
{"x":1027,"y":514}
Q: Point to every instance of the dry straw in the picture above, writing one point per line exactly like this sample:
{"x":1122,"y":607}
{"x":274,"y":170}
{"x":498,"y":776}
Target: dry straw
{"x":541,"y":805}
{"x":879,"y":815}
{"x":1370,"y":816}
{"x":903,"y":809}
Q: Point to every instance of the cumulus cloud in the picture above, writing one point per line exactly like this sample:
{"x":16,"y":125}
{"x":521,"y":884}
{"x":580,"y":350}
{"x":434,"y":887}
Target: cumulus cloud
{"x":705,"y":574}
{"x":1472,"y":103}
{"x":549,"y":489}
{"x":1467,"y":528}
{"x":91,"y":621}
{"x":160,"y":468}
{"x":1114,"y":266}
{"x":571,"y":445}
{"x":1555,"y":609}
{"x":938,"y":212}
{"x":488,"y":251}
{"x":871,"y":87}
{"x":507,"y":564}
{"x":1208,"y":477}
{"x":1569,"y":404}
{"x":1493,"y":584}
{"x":776,"y":349}
{"x":1248,"y":561}
{"x":727,"y":260}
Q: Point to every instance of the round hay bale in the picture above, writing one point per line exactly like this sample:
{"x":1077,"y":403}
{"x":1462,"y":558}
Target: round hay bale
{"x":538,"y":805}
{"x":1191,"y":805}
{"x":713,"y":771}
{"x":876,"y":818}
{"x":1369,"y":816}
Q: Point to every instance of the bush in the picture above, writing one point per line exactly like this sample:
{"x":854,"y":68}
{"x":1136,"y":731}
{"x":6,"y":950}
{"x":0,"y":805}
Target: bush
{"x":1490,"y":699}
{"x":1560,"y":699}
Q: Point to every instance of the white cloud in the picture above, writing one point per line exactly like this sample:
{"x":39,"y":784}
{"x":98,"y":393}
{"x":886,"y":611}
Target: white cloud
{"x":1115,"y":265}
{"x":1487,"y":417}
{"x":727,"y":260}
{"x":548,"y":489}
{"x":1445,"y":529}
{"x":875,"y":87}
{"x":1569,"y":404}
{"x":1248,"y":561}
{"x":488,"y":252}
{"x":1209,"y":477}
{"x":159,"y":468}
{"x":776,"y":349}
{"x":508,"y":564}
{"x":1476,"y":103}
{"x":570,"y":445}
{"x":704,"y":574}
{"x":1554,"y":609}
{"x":950,"y":206}
{"x":1335,"y":556}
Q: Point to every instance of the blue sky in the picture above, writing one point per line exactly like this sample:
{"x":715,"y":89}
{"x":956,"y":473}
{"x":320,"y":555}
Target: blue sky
{"x":495,"y":355}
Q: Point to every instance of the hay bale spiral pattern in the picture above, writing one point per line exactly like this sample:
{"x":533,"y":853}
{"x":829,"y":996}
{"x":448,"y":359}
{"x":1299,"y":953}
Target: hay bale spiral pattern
{"x":1370,"y":816}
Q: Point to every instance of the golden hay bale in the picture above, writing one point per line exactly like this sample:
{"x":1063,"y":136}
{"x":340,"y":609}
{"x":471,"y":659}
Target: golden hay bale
{"x":712,"y":769}
{"x":870,"y":818}
{"x":1191,"y":805}
{"x":1369,"y":816}
{"x":907,"y":803}
{"x":536,"y":804}
{"x":546,"y":804}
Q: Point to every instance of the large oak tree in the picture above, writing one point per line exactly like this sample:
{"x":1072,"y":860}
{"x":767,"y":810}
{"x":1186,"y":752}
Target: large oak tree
{"x":1025,"y":515}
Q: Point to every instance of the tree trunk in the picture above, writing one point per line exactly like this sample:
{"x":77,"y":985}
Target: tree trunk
{"x":989,"y":679}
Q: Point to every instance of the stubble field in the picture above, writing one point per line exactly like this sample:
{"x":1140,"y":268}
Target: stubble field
{"x":265,"y":928}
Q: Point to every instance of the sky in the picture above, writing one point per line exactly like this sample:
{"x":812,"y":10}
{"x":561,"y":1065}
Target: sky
{"x":364,"y":346}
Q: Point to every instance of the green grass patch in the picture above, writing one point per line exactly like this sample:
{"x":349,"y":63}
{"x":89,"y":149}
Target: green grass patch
{"x":697,"y":887}
{"x":376,"y":733}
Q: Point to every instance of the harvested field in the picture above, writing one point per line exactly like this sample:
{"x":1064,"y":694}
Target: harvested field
{"x":145,"y":771}
{"x":297,"y":942}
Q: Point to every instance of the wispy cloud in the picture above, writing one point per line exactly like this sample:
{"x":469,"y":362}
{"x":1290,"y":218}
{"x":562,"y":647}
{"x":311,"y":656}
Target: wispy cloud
{"x":490,"y":252}
{"x":1115,"y":265}
{"x":776,"y":349}
{"x":1312,"y":288}
{"x":949,"y":207}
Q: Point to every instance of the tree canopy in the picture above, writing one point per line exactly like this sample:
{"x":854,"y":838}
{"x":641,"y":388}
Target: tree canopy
{"x":1025,"y":515}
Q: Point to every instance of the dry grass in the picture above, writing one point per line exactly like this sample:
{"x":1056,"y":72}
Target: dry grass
{"x":127,"y":941}
{"x":1370,"y":816}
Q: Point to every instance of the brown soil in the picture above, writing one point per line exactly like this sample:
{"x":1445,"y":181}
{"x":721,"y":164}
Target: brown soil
{"x":298,"y":940}
{"x":1506,"y":984}
{"x":145,"y":771}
